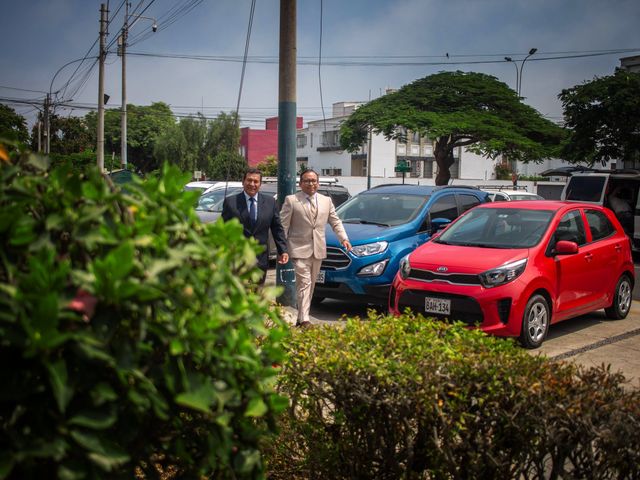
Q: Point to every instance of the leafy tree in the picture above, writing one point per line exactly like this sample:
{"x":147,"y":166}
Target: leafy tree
{"x":70,"y":135}
{"x":457,"y":109}
{"x":144,"y":125}
{"x":604,"y":118}
{"x":269,"y":167}
{"x":196,"y":143}
{"x":13,"y":126}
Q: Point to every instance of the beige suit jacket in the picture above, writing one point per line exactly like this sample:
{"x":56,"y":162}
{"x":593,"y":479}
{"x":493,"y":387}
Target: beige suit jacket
{"x":305,"y":236}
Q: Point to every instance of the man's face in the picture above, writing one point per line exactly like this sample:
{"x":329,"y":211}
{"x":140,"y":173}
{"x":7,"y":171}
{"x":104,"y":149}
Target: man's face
{"x":309,"y":183}
{"x":251,"y":184}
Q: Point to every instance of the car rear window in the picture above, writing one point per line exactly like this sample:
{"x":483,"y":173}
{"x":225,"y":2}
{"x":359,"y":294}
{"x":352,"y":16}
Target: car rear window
{"x":586,"y":188}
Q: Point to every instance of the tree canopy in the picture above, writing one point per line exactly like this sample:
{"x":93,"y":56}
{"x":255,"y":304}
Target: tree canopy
{"x":604,"y":118}
{"x":13,"y":126}
{"x":196,"y":143}
{"x":144,"y":125}
{"x":457,"y":109}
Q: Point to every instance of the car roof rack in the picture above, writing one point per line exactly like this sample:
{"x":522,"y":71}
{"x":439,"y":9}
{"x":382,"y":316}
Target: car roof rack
{"x":472,"y":187}
{"x":321,"y":180}
{"x":503,"y":187}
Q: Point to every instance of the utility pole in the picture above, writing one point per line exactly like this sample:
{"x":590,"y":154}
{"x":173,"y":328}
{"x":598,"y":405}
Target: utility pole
{"x":123,"y":117}
{"x":369,"y":153}
{"x":287,"y":131}
{"x":47,"y":121}
{"x":104,"y":15}
{"x":123,"y":52}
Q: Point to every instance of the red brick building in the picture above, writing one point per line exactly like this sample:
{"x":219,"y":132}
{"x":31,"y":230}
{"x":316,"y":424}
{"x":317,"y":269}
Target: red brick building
{"x":255,"y":145}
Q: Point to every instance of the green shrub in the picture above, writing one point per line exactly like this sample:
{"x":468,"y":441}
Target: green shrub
{"x":409,"y":397}
{"x":129,"y":338}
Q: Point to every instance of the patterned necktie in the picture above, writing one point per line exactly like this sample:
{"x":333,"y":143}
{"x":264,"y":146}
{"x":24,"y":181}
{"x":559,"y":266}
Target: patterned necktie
{"x":313,"y":208}
{"x":252,"y":211}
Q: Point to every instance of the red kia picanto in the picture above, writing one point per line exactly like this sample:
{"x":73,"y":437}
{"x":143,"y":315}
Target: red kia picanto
{"x":514,"y":268}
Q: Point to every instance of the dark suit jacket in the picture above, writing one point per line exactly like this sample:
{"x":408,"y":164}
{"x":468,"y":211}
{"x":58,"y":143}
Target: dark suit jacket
{"x":235,"y":206}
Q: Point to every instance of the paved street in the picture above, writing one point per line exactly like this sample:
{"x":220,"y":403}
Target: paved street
{"x":590,"y":340}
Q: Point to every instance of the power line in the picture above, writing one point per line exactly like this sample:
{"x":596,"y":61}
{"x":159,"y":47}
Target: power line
{"x":370,"y":63}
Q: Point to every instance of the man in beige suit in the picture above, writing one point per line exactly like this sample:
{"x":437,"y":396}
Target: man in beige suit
{"x":304,"y":216}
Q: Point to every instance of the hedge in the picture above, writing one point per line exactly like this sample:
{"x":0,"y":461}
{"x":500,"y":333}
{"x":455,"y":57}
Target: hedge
{"x":130,"y":339}
{"x":410,"y":397}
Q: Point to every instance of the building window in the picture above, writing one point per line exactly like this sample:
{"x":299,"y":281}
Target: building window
{"x":415,"y":150}
{"x":402,"y":149}
{"x":301,"y":141}
{"x":334,"y":172}
{"x":331,"y":138}
{"x":311,"y":140}
{"x":415,"y":137}
{"x":428,"y":150}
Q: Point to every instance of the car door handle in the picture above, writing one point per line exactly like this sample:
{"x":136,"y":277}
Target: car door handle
{"x":618,"y":247}
{"x":588,"y":257}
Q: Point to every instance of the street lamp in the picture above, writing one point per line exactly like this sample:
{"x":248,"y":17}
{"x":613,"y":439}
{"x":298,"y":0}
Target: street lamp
{"x":122,"y":40}
{"x":531,"y":52}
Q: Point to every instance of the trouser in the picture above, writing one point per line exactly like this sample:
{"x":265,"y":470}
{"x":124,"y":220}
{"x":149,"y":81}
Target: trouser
{"x":306,"y":274}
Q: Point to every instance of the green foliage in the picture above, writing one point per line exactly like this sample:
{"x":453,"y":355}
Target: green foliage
{"x":269,"y":167}
{"x":79,"y":162}
{"x":196,"y":143}
{"x":503,"y":171}
{"x":604,"y":118}
{"x":69,"y":135}
{"x":409,"y":397}
{"x":13,"y":126}
{"x":145,"y":124}
{"x":129,"y":335}
{"x":457,"y":109}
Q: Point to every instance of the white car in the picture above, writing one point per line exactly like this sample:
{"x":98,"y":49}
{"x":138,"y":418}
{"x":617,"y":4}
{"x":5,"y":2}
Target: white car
{"x":201,"y":185}
{"x":510,"y":195}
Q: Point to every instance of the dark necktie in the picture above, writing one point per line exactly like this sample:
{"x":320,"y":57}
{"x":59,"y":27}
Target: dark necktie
{"x":252,"y":211}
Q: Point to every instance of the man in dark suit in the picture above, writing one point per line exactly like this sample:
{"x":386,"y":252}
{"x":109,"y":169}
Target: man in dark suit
{"x":258,"y":214}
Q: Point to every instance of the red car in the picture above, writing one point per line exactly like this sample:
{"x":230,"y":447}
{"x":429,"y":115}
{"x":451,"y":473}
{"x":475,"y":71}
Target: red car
{"x":514,"y":268}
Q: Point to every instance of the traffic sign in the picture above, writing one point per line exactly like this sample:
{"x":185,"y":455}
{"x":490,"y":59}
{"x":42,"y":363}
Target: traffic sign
{"x":403,"y":167}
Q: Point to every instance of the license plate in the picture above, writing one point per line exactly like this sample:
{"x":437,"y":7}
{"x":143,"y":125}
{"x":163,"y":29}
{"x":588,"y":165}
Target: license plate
{"x":440,"y":306}
{"x":320,"y":278}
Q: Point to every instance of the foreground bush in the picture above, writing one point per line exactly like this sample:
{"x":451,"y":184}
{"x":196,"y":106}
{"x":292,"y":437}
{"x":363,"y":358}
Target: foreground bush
{"x":128,"y":338}
{"x":406,"y":397}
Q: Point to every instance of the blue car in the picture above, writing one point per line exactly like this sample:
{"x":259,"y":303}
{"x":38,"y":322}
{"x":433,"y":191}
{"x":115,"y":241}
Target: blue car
{"x":384,"y":224}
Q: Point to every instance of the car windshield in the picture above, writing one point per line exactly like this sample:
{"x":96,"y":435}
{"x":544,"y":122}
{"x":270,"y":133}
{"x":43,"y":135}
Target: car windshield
{"x":384,"y":209}
{"x":498,"y":228}
{"x":212,"y":201}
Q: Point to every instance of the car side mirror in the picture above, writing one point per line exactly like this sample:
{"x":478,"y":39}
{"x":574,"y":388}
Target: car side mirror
{"x":438,"y":224}
{"x":565,"y":247}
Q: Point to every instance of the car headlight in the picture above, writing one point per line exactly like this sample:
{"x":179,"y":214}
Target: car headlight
{"x":369,"y":249}
{"x":405,"y":267}
{"x":503,"y":274}
{"x":373,"y":270}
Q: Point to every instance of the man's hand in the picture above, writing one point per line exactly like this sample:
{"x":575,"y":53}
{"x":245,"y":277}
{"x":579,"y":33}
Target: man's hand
{"x":283,"y":258}
{"x":347,"y":245}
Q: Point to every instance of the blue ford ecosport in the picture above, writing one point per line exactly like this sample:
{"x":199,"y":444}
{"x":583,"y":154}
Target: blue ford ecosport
{"x":384,"y":224}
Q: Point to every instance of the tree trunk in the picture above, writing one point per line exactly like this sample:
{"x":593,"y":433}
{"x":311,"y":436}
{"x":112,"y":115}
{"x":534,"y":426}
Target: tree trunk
{"x":444,"y":160}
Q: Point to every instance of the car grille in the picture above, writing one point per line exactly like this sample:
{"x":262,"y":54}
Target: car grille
{"x":463,"y":308}
{"x":336,"y":259}
{"x":453,"y":278}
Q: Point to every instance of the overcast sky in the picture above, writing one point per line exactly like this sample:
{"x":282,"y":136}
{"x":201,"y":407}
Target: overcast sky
{"x":366,"y":46}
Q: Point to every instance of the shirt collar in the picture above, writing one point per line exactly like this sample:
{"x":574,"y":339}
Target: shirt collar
{"x":247,"y":196}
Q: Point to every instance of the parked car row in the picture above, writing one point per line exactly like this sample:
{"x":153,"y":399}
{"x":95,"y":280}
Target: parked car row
{"x":512,"y":266}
